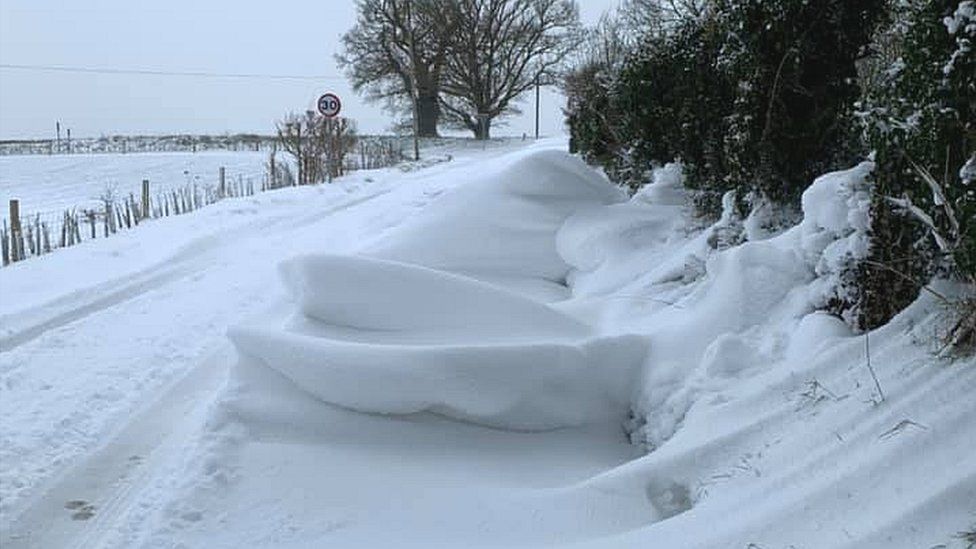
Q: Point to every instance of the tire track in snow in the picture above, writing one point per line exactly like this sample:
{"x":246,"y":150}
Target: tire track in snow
{"x":75,"y":317}
{"x":74,"y":309}
{"x":187,"y":261}
{"x":50,"y":431}
{"x":109,"y":479}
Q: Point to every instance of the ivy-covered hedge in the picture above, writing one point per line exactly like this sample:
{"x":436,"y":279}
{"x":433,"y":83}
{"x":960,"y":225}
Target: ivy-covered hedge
{"x":920,"y":120}
{"x":760,"y":97}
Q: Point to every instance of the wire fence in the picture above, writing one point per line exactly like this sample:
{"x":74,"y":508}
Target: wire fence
{"x":24,"y":235}
{"x":28,"y":234}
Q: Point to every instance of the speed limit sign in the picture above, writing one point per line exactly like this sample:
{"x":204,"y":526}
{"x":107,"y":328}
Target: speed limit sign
{"x":329,"y":105}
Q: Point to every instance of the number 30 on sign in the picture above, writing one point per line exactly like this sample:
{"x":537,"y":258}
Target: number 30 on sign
{"x":329,"y":105}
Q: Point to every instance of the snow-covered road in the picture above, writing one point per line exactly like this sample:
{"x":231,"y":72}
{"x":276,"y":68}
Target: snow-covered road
{"x":447,"y":357}
{"x":93,"y":335}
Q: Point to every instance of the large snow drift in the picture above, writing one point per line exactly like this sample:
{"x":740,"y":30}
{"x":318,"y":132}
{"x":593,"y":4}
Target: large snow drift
{"x":404,"y":334}
{"x":762,"y":422}
{"x":501,"y":226}
{"x":762,"y":417}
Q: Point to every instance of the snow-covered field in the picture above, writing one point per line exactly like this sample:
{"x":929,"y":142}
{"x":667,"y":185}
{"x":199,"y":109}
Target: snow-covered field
{"x":497,"y":351}
{"x":50,"y":184}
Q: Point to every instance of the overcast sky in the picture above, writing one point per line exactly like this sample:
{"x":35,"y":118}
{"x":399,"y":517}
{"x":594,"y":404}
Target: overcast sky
{"x":286,"y":37}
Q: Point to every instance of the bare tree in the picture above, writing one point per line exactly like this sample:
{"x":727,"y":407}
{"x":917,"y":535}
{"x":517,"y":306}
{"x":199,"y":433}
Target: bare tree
{"x":503,"y":48}
{"x":605,"y":45}
{"x":396,"y":53}
{"x":292,"y":133}
{"x":318,"y":145}
{"x":330,"y":140}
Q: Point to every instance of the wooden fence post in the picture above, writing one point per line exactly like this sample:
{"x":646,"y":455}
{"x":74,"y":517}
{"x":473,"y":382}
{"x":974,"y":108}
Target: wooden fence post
{"x":145,"y":199}
{"x":222,"y":189}
{"x":4,"y":244}
{"x":90,"y":214}
{"x":16,"y":244}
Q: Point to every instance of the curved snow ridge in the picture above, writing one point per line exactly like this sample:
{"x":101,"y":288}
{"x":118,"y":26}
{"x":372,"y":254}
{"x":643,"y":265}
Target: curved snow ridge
{"x":446,"y":314}
{"x":387,"y":337}
{"x":504,"y":223}
{"x":379,"y":295}
{"x":594,"y":236}
{"x":521,"y":386}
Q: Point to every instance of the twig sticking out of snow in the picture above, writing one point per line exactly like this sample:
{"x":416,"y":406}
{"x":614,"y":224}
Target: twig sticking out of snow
{"x":939,"y":198}
{"x":867,"y":353}
{"x":896,"y":272}
{"x":900,"y":427}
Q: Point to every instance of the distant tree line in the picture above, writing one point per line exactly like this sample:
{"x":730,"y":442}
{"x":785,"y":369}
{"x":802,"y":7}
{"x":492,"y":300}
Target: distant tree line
{"x":460,"y":63}
{"x":758,"y":97}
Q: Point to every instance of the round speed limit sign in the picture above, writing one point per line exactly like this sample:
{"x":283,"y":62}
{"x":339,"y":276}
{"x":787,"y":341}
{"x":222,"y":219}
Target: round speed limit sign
{"x":329,"y":105}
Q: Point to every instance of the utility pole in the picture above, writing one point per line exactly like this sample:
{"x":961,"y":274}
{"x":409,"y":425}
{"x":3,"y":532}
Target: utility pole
{"x":415,"y":93}
{"x":58,"y":125}
{"x":298,"y":147}
{"x":537,"y":106}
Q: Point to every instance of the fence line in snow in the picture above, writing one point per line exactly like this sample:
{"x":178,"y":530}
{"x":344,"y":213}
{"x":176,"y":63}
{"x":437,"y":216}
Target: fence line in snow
{"x":32,"y":234}
{"x":27,"y":235}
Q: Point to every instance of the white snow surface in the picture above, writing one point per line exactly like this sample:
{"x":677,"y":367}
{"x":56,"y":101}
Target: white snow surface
{"x":394,"y":338}
{"x":410,"y":335}
{"x":501,"y":225}
{"x":49,"y":184}
{"x":448,"y":358}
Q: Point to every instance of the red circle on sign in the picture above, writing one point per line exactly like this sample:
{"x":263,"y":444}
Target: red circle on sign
{"x":329,"y":105}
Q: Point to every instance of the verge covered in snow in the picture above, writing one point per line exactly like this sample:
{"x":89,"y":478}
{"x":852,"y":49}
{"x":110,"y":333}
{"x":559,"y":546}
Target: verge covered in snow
{"x":535,"y":297}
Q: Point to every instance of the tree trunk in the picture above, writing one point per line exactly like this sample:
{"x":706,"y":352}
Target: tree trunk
{"x":482,"y":131}
{"x":428,"y":114}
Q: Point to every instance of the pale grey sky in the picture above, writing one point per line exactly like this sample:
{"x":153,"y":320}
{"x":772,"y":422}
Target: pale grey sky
{"x":286,"y":37}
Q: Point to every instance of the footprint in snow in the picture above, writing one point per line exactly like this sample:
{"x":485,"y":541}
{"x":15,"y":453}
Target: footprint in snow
{"x":82,"y":509}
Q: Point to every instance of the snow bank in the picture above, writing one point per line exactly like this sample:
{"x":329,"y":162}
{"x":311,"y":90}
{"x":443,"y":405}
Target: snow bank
{"x":801,"y":448}
{"x":524,"y":386}
{"x":502,"y":225}
{"x":762,"y":418}
{"x":437,"y":317}
{"x":763,"y":424}
{"x":713,"y":315}
{"x":666,"y":187}
{"x":608,"y":246}
{"x":392,"y":338}
{"x":378,"y":295}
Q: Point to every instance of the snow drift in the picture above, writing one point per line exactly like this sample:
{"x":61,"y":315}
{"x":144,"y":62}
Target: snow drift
{"x":501,"y":226}
{"x":444,"y":316}
{"x":762,"y":418}
{"x":387,"y":337}
{"x":761,"y":422}
{"x":368,"y":294}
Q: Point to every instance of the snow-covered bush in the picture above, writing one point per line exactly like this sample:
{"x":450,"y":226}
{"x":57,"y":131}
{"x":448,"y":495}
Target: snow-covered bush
{"x":665,"y":100}
{"x":795,"y":65}
{"x":921,"y":120}
{"x":752,"y":96}
{"x":834,"y":236}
